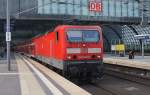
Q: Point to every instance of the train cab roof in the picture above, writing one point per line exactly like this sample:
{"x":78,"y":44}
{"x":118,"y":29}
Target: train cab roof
{"x":62,"y":27}
{"x":78,"y":26}
{"x":67,"y":26}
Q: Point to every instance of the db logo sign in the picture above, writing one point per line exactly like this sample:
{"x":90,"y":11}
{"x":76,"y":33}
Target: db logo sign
{"x":95,"y":6}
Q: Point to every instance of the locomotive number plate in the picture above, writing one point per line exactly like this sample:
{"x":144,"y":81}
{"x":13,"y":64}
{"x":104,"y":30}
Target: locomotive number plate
{"x":84,"y":50}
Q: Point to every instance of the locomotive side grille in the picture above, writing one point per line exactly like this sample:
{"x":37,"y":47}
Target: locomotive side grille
{"x":73,"y":50}
{"x":94,"y":50}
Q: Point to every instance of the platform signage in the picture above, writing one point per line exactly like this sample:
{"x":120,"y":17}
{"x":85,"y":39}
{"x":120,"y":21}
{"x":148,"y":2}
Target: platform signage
{"x":95,"y":6}
{"x":144,"y":36}
{"x":120,"y":47}
{"x":113,"y":47}
{"x":8,"y":36}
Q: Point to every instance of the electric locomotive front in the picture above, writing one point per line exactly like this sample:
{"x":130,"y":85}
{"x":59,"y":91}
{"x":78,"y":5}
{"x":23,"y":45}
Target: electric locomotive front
{"x":83,"y":51}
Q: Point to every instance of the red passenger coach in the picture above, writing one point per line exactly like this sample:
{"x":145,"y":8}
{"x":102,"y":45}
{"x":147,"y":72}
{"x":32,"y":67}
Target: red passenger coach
{"x":76,"y":50}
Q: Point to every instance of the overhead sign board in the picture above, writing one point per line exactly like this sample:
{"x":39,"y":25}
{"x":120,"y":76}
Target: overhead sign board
{"x":95,"y":6}
{"x":143,"y":36}
{"x":8,"y":36}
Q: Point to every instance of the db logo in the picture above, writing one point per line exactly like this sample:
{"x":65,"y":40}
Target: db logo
{"x":95,"y":6}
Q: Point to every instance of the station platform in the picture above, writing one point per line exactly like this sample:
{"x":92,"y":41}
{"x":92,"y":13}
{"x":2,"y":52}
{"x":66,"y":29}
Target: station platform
{"x":27,"y":77}
{"x":137,"y":62}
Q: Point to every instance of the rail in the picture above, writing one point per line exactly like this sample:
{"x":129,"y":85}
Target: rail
{"x":138,"y":75}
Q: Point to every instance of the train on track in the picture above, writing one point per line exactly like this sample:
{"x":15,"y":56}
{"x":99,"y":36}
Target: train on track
{"x":75,"y":50}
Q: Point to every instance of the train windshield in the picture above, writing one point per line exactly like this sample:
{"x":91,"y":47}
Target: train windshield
{"x":83,"y":36}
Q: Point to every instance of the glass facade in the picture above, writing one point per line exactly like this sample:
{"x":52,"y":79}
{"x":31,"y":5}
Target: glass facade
{"x":112,"y":8}
{"x":116,"y":34}
{"x":129,"y":40}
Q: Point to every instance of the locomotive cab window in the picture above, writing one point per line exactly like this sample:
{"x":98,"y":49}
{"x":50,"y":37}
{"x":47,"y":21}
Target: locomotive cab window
{"x":83,"y":36}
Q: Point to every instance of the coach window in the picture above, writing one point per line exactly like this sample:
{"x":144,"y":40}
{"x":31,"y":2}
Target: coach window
{"x":57,"y":36}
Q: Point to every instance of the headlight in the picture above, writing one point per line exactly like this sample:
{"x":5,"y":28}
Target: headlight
{"x":94,"y":50}
{"x":69,"y":57}
{"x":73,"y":50}
{"x":98,"y":56}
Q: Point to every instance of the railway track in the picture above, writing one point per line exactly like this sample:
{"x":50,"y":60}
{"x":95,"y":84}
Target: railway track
{"x":140,"y":76}
{"x":112,"y":85}
{"x":120,"y":80}
{"x":104,"y":89}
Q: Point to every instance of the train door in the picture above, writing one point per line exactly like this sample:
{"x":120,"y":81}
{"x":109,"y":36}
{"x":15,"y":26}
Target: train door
{"x":51,"y":48}
{"x":33,"y":50}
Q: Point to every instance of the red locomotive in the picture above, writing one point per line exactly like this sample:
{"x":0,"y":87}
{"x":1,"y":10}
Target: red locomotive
{"x":76,"y":50}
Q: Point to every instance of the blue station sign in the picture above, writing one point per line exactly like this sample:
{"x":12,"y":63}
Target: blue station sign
{"x":142,"y":36}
